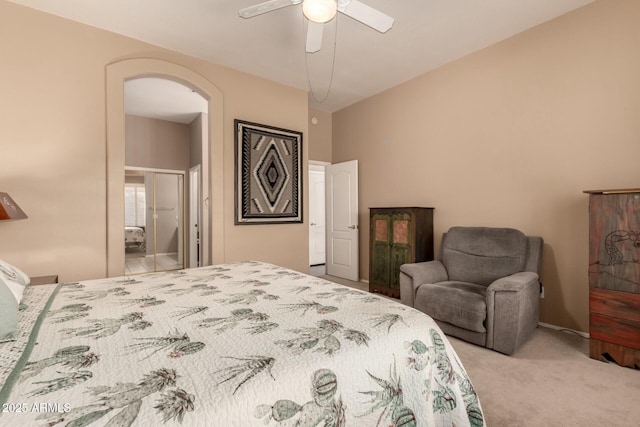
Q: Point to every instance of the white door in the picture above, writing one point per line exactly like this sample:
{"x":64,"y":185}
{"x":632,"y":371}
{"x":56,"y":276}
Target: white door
{"x":317,"y":228}
{"x":341,"y":185}
{"x":194,"y":217}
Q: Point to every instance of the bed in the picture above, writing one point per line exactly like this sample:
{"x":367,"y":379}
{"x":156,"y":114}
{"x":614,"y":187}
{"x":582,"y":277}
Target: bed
{"x":134,"y":237}
{"x":242,"y":344}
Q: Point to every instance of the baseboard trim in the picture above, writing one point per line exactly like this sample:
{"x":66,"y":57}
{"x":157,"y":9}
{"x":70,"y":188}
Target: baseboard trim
{"x":560,"y":328}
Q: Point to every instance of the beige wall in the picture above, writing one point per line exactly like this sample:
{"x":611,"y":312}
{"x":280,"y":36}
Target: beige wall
{"x":319,"y":135}
{"x":511,"y":136}
{"x":158,"y":144}
{"x":53,"y":144}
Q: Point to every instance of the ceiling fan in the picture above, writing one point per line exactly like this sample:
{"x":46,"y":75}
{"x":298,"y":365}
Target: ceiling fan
{"x":320,"y":11}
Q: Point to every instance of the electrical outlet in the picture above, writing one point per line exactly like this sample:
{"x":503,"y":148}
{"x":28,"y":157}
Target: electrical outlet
{"x":541,"y":291}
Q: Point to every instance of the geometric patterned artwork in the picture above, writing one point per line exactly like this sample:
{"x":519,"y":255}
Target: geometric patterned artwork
{"x":268,"y":188}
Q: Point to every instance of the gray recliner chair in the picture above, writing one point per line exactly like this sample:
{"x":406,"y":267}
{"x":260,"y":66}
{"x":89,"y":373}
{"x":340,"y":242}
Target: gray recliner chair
{"x":484,"y":287}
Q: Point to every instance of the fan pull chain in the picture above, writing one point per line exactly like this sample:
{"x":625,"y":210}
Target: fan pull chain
{"x":333,"y":63}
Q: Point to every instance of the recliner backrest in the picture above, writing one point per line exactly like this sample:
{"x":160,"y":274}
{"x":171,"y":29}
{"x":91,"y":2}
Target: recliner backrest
{"x":482,"y":255}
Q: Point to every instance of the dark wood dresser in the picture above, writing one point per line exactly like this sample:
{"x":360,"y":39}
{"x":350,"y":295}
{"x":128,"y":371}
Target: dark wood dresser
{"x":614,"y":276}
{"x":44,"y":280}
{"x":397,"y":236}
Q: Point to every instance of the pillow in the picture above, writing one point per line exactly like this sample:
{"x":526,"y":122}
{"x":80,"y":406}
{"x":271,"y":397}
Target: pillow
{"x":13,"y":273}
{"x":17,"y":290}
{"x":9,"y":310}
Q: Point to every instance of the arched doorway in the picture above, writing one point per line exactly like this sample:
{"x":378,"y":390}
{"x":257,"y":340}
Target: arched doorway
{"x":119,"y":72}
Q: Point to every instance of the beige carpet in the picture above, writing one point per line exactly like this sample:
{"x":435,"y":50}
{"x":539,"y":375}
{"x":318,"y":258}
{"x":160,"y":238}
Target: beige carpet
{"x":550,"y":381}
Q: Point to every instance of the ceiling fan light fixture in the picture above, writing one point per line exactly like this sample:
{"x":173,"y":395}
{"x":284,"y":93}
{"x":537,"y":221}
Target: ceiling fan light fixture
{"x":319,"y":11}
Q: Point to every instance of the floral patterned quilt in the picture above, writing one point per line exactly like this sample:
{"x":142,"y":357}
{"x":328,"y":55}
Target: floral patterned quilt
{"x":244,"y":344}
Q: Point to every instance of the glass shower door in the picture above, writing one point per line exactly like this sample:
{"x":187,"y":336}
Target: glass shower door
{"x":168,"y":221}
{"x":162,"y":219}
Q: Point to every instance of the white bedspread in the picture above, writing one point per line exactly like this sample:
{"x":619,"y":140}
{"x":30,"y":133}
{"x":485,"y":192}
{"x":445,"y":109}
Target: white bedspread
{"x":133,"y":235}
{"x":246,"y":344}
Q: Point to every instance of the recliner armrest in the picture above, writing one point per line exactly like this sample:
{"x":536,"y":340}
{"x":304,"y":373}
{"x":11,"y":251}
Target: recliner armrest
{"x":512,"y":311}
{"x":414,"y":275}
{"x":514,"y":283}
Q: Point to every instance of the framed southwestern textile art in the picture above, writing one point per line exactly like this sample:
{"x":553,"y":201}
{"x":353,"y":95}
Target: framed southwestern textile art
{"x":268,"y":187}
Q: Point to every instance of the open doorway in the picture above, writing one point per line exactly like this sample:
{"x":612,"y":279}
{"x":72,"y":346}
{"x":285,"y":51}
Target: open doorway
{"x":165,"y":135}
{"x":317,"y":228}
{"x":117,"y":74}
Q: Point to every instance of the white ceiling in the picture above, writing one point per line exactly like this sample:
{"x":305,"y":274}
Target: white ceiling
{"x":426,"y":34}
{"x":162,"y":99}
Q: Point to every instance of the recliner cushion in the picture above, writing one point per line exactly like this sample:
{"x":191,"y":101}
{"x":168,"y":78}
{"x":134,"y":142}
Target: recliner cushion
{"x":458,"y":303}
{"x":482,"y":255}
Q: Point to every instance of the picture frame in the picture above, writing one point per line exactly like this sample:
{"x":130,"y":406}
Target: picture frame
{"x":268,"y":171}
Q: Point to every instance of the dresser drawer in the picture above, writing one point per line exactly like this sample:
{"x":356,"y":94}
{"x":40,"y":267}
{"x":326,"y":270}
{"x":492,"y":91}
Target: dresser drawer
{"x":614,"y":330}
{"x":622,"y":305}
{"x":614,"y":317}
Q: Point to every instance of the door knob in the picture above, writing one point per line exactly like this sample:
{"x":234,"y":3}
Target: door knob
{"x":312,"y":224}
{"x":353,"y":227}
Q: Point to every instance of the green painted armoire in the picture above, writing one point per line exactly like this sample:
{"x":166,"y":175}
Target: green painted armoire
{"x":397,"y":236}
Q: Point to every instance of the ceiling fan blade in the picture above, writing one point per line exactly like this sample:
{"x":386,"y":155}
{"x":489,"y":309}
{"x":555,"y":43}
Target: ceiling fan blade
{"x":367,"y":15}
{"x":267,"y":6}
{"x":314,"y":36}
